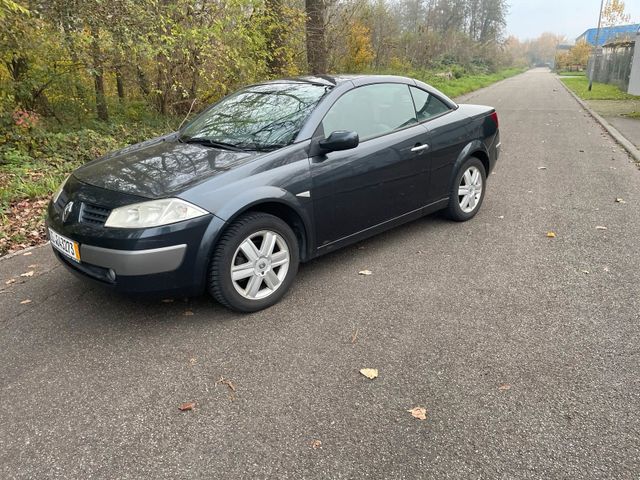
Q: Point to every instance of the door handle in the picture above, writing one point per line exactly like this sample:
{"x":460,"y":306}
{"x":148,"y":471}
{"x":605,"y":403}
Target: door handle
{"x":420,"y":148}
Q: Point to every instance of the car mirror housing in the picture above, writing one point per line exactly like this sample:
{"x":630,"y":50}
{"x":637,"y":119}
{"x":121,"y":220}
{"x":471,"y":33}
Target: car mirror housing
{"x":339,"y":140}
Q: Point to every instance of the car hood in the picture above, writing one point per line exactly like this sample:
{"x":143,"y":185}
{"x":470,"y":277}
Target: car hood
{"x":159,"y":167}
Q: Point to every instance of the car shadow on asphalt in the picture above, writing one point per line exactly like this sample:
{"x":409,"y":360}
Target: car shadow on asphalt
{"x":144,"y":310}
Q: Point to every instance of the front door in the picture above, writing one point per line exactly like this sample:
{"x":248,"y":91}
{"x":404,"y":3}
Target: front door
{"x":383,"y":178}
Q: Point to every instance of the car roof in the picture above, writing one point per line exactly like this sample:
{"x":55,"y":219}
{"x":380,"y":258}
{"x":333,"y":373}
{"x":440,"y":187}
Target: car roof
{"x":334,"y":80}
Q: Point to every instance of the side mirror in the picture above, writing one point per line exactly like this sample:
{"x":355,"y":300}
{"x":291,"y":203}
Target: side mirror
{"x":339,"y":140}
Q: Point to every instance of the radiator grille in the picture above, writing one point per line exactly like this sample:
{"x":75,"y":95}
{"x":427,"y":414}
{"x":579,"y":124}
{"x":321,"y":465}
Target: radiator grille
{"x":94,"y":214}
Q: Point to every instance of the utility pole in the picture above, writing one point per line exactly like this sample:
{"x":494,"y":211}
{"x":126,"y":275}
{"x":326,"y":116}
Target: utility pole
{"x":595,"y":49}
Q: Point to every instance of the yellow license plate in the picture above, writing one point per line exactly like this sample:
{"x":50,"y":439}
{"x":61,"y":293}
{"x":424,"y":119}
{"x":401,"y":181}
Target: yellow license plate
{"x":67,"y":247}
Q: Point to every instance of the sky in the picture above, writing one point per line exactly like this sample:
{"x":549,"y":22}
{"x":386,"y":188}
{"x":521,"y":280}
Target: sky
{"x":530,"y":18}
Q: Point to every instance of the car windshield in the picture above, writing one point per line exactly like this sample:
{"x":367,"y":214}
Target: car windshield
{"x":261,"y":117}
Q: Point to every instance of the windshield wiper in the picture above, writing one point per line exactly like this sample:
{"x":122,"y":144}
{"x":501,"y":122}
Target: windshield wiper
{"x":213,"y":143}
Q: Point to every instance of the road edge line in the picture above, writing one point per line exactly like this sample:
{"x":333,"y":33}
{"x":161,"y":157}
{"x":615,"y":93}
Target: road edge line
{"x":611,"y":130}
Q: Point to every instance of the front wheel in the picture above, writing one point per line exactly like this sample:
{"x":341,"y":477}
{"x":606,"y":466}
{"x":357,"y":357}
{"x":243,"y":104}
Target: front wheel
{"x":254,"y":263}
{"x":467,"y":191}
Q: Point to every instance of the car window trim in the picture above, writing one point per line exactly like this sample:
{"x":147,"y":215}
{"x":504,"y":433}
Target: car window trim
{"x":382,"y":134}
{"x":433,"y":95}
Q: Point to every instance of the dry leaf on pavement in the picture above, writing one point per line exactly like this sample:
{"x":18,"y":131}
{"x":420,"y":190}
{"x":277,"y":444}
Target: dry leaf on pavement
{"x":26,"y":254}
{"x":370,"y":373}
{"x":504,"y":386}
{"x":10,"y":281}
{"x":187,"y":406}
{"x":419,"y":413}
{"x":542,"y":168}
{"x":586,"y":272}
{"x":365,"y":272}
{"x":619,"y":200}
{"x":316,"y":444}
{"x":601,"y":227}
{"x":24,"y":302}
{"x":551,"y":234}
{"x":27,"y":274}
{"x":227,"y":382}
{"x":188,"y":313}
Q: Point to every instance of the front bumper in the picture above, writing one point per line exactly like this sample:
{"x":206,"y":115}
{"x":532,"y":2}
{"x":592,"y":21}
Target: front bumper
{"x":135,"y":262}
{"x":169,"y":259}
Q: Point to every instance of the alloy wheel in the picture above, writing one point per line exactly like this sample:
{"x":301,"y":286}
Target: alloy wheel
{"x":260,"y":265}
{"x":470,"y":189}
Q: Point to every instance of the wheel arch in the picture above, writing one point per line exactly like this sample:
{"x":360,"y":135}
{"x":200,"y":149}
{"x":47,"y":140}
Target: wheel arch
{"x":285,"y":212}
{"x":475,"y":149}
{"x":294,"y":211}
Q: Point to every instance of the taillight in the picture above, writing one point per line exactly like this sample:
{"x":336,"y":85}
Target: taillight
{"x":494,"y":117}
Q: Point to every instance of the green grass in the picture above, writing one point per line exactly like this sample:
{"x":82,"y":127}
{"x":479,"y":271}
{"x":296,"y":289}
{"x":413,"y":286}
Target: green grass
{"x":632,"y":115}
{"x":466,"y":83}
{"x":600,"y":91}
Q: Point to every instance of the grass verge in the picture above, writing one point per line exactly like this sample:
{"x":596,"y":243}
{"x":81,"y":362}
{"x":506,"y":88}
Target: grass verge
{"x":599,"y":91}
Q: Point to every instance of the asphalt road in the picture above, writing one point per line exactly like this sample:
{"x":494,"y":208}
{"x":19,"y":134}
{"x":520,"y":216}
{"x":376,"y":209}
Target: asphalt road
{"x":527,"y":366}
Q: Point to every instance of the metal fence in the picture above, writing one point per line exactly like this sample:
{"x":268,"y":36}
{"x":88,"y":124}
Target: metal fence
{"x":613,"y":64}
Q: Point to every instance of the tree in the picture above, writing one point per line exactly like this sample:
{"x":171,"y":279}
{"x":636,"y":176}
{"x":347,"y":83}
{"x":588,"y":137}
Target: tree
{"x":315,"y":28}
{"x":614,"y":13}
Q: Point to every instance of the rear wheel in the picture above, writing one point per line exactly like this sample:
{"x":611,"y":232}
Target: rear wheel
{"x":467,"y":191}
{"x":254,"y":263}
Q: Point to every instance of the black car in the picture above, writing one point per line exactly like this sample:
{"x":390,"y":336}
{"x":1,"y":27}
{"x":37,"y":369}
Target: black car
{"x":273,"y":175}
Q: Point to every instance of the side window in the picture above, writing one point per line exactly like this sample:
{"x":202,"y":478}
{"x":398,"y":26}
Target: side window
{"x":427,"y":105}
{"x":371,"y":110}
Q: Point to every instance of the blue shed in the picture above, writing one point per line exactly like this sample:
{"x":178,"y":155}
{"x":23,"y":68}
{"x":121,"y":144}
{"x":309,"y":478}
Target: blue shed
{"x":608,"y":33}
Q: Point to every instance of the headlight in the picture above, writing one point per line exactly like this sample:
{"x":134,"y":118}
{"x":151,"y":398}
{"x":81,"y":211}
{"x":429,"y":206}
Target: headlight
{"x":56,"y":195}
{"x":153,"y":213}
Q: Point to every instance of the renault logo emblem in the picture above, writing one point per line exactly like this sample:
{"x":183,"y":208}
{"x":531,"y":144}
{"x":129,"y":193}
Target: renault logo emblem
{"x":67,"y":211}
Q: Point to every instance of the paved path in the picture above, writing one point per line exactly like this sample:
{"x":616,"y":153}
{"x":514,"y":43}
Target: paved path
{"x":613,"y":110}
{"x":528,"y":367}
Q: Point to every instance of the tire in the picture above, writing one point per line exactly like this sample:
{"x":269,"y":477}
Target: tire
{"x":250,"y":245}
{"x":464,"y":207}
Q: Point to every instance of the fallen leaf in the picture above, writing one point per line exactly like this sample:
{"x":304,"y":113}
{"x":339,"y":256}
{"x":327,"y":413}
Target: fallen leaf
{"x":27,"y":274}
{"x":33,"y":266}
{"x":26,"y":254}
{"x":10,"y":281}
{"x":316,"y":444}
{"x":606,"y":269}
{"x":24,"y":302}
{"x":188,"y":313}
{"x":600,"y":227}
{"x":354,"y":337}
{"x":619,"y":200}
{"x":551,"y":234}
{"x":586,"y":272}
{"x":504,"y":386}
{"x":187,"y":406}
{"x":193,"y":361}
{"x":581,"y":151}
{"x":370,"y":373}
{"x":542,"y":168}
{"x":365,"y":272}
{"x":501,"y":217}
{"x":229,"y":384}
{"x":418,"y":412}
